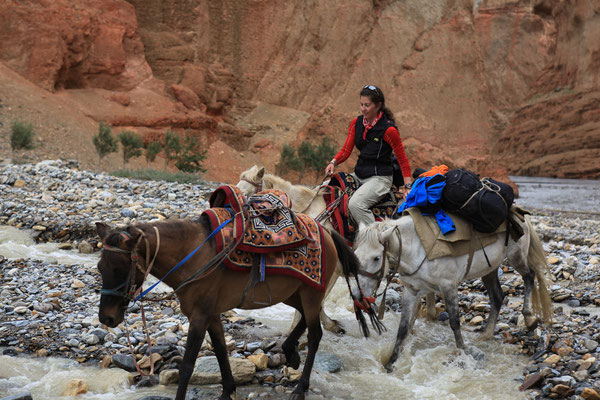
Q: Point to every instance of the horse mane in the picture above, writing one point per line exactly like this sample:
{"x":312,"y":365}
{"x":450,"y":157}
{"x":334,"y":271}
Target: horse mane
{"x":179,"y":229}
{"x":300,"y":195}
{"x":370,"y":234}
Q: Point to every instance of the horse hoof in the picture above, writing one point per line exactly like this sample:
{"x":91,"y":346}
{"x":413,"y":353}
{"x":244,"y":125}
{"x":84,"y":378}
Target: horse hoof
{"x":293,"y":360}
{"x":297,"y":396}
{"x":389,"y":368}
{"x":335,"y":327}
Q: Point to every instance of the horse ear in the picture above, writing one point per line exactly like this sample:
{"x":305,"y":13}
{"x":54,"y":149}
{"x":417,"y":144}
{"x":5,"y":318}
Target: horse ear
{"x":387,"y":234}
{"x":134,"y":234}
{"x":102,"y":229}
{"x":260,"y":173}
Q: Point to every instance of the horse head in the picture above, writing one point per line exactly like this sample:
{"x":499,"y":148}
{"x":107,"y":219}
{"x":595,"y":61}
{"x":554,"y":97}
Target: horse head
{"x":251,"y":180}
{"x":119,"y":270}
{"x":371,"y":246}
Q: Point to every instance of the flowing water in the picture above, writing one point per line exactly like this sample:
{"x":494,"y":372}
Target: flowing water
{"x":429,"y":368}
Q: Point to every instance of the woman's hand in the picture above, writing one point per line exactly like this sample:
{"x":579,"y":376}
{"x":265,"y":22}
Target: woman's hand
{"x":329,"y":168}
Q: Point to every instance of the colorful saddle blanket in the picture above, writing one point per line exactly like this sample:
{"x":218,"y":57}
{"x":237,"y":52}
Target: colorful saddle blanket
{"x":278,"y":240}
{"x":264,"y":219}
{"x":342,"y":184}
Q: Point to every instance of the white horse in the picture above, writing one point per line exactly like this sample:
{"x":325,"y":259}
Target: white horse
{"x":399,"y":240}
{"x":304,"y":200}
{"x":311,"y":202}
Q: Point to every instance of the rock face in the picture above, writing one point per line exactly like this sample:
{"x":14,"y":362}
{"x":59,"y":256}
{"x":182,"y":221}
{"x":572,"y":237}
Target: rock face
{"x":556,"y":132}
{"x":471,"y":83}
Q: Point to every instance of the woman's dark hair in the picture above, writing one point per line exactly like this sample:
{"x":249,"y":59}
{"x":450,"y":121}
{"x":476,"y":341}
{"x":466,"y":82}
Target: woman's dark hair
{"x":376,"y":96}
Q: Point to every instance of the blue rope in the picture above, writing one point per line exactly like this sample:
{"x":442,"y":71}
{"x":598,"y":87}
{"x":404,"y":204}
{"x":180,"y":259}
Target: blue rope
{"x":180,"y":263}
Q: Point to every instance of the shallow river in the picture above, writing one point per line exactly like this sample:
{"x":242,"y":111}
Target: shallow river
{"x":429,"y":368}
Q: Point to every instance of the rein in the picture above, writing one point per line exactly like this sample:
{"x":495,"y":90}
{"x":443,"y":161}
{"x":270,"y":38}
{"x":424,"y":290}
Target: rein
{"x":129,"y":290}
{"x":257,"y":186}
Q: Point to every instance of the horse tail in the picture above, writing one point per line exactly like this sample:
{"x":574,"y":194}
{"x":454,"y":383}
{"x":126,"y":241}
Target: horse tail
{"x":349,"y":261}
{"x":536,"y":259}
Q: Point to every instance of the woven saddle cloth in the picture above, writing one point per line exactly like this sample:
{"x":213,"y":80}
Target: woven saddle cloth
{"x":275,"y":239}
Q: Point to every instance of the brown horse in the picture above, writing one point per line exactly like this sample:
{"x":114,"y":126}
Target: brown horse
{"x":129,"y":253}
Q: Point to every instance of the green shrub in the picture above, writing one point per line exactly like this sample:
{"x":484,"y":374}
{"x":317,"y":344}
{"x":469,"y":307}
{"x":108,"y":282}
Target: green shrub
{"x":152,"y":150}
{"x":21,"y":136}
{"x":104,"y":141}
{"x":191,"y":155}
{"x":131,"y":144}
{"x":307,"y":157}
{"x":171,"y":146}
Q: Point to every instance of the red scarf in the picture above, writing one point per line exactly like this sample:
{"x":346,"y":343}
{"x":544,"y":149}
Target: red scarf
{"x":368,"y":125}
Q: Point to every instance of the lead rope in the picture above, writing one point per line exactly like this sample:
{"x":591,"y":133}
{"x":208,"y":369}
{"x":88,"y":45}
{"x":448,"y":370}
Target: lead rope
{"x":137,"y":292}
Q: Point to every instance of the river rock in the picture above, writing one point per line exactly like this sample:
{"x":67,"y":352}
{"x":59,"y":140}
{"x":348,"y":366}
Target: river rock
{"x":589,"y":394}
{"x":124,"y":361}
{"x":259,"y":360}
{"x":207,"y":371}
{"x":168,"y":376}
{"x":328,"y":362}
{"x":85,"y":248}
{"x":75,"y":387}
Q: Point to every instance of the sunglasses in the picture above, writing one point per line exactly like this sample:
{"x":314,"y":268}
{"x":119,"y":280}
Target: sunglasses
{"x":370,"y":87}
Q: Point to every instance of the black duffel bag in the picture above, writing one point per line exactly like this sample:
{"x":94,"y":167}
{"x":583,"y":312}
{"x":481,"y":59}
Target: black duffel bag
{"x":483,"y":202}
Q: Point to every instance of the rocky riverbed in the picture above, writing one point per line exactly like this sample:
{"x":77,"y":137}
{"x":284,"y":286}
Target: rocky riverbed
{"x":49,"y":309}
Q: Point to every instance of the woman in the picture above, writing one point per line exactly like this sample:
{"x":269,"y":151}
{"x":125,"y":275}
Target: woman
{"x":376,"y":137}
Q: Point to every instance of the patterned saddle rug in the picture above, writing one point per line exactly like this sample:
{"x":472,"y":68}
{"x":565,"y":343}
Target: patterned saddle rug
{"x":342,"y":184}
{"x":274,"y":238}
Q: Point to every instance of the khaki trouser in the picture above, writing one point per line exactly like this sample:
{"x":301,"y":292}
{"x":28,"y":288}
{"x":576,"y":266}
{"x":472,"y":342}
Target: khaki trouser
{"x":368,"y":194}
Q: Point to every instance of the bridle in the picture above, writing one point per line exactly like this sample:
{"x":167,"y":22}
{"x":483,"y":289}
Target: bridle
{"x":257,"y":186}
{"x":127,"y":290}
{"x":379,"y":274}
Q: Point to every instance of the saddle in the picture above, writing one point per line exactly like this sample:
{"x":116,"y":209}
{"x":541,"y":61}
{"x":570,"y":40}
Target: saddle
{"x":272,"y":238}
{"x":463,"y":240}
{"x":344,"y":185}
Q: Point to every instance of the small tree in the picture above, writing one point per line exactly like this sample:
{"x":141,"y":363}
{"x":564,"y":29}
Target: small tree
{"x":171,"y":146}
{"x":152,"y":150}
{"x":307,"y":157}
{"x":322,"y":155}
{"x":131,"y":144}
{"x":104,"y":141}
{"x":21,"y":136}
{"x":288,"y":161}
{"x":191,"y":155}
{"x":306,"y":154}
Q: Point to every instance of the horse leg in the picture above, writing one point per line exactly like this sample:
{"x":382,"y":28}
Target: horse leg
{"x":430,"y":306}
{"x":450,"y":292}
{"x":518,"y":259}
{"x":194,"y":342}
{"x":311,"y":305}
{"x":217,"y":336}
{"x":290,"y":345}
{"x":531,"y":321}
{"x":492,"y":285}
{"x":410,"y":302}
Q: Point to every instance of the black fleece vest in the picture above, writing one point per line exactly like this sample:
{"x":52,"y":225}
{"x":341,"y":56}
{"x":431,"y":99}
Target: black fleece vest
{"x":375,"y":156}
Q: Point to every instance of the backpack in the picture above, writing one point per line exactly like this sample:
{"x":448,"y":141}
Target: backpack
{"x":483,"y":202}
